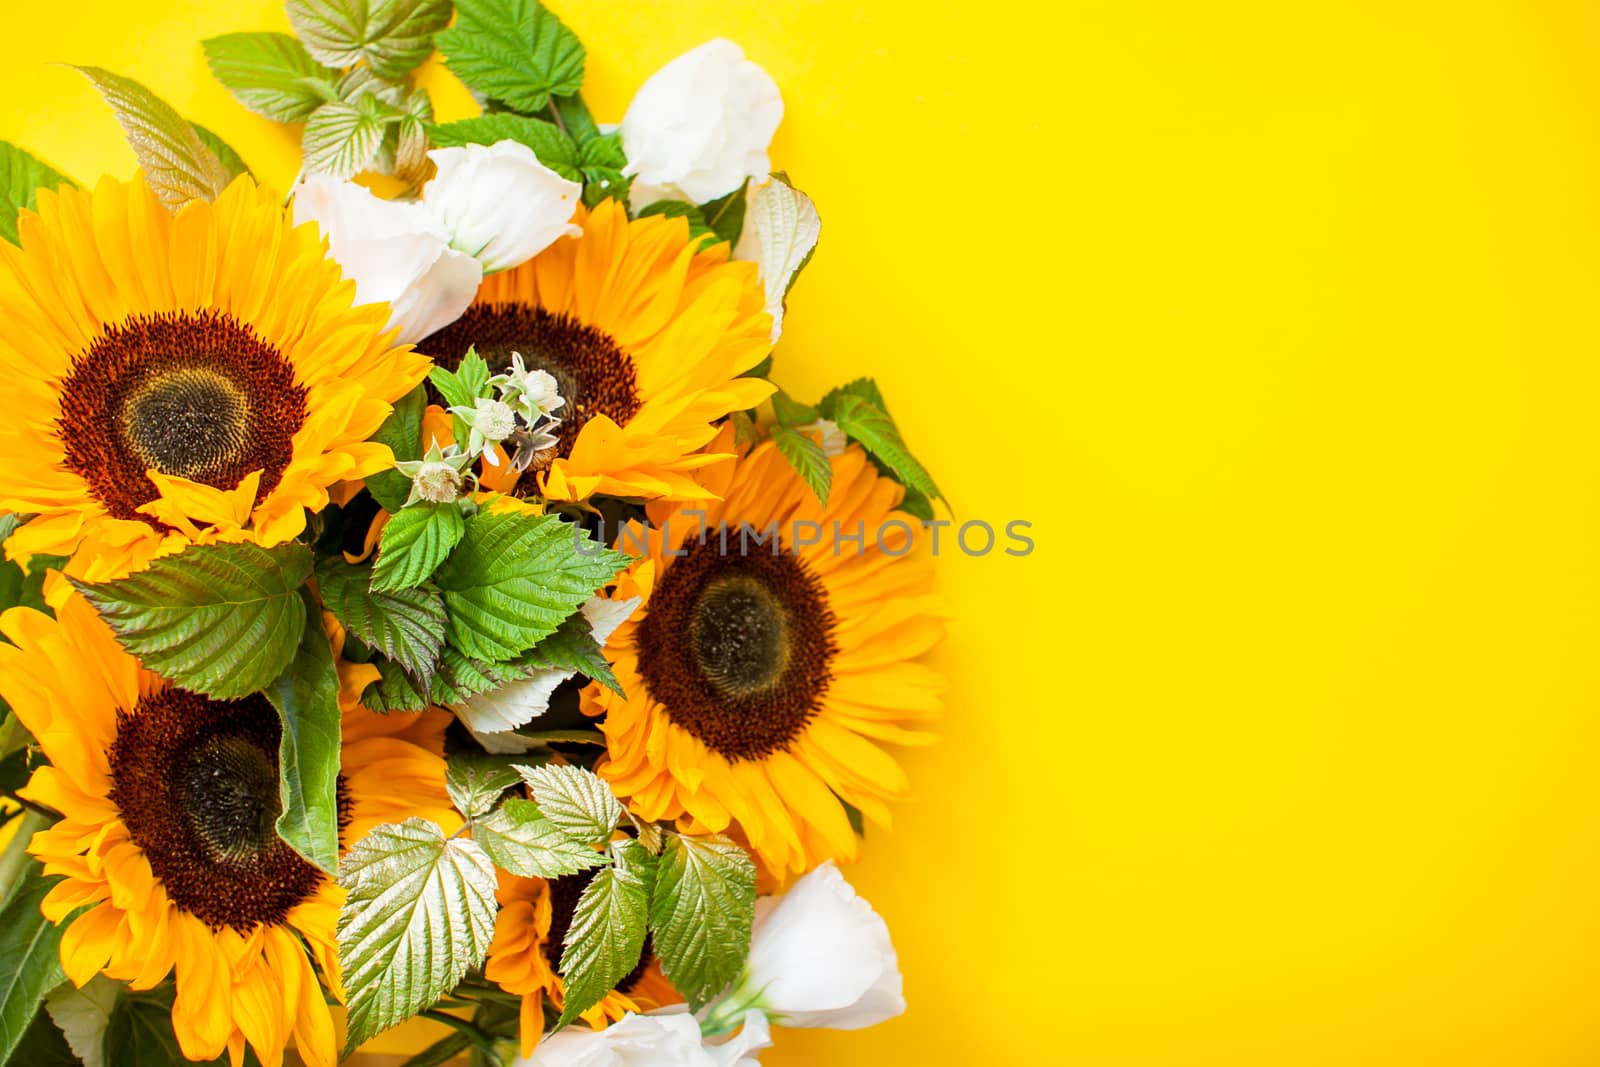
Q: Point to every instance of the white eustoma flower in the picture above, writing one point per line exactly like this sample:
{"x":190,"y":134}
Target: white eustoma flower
{"x":821,"y":957}
{"x":702,"y":123}
{"x":781,"y":228}
{"x":395,"y":252}
{"x":498,"y":203}
{"x":667,"y":1038}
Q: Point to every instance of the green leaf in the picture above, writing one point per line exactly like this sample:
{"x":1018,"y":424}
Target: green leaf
{"x":420,"y":914}
{"x":552,"y":147}
{"x":411,"y":140}
{"x":607,"y":934}
{"x":414,"y":543}
{"x":791,"y":412}
{"x":141,"y":1034}
{"x":223,"y":620}
{"x":393,"y":691}
{"x":868,"y":423}
{"x":402,"y":432}
{"x":176,"y":163}
{"x":515,"y":578}
{"x":521,"y":840}
{"x":865,"y":388}
{"x":576,"y":118}
{"x":307,"y":698}
{"x":700,"y":913}
{"x":272,"y":74}
{"x":30,"y":957}
{"x":573,"y":649}
{"x":601,"y":161}
{"x":460,"y":677}
{"x":475,"y":781}
{"x":917,"y":505}
{"x":84,"y":1015}
{"x":392,"y":36}
{"x":725,"y":215}
{"x":231,"y":161}
{"x":21,"y":178}
{"x":680,"y":209}
{"x":513,"y":51}
{"x":43,"y":1045}
{"x":406,"y":625}
{"x":464,"y":385}
{"x":342,"y":140}
{"x":579,"y":803}
{"x":806,"y":456}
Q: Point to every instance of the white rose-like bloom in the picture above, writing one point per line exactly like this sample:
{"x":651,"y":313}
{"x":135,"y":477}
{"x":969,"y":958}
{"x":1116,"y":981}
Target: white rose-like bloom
{"x":668,"y":1038}
{"x":821,"y":957}
{"x":395,"y":253}
{"x":703,"y":123}
{"x":498,"y":203}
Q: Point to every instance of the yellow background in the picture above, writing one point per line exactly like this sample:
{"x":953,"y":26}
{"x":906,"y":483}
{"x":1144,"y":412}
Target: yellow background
{"x":1278,"y":321}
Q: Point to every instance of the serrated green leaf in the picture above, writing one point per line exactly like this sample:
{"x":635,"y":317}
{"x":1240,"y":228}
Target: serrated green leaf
{"x":414,"y":543}
{"x":475,"y":781}
{"x":411,"y":140}
{"x":650,"y":834}
{"x":463,"y":386}
{"x":513,"y":51}
{"x":791,"y":412}
{"x":680,"y":209}
{"x":390,"y":36}
{"x":866,"y":388}
{"x":176,"y":163}
{"x":30,"y":957}
{"x":21,"y":178}
{"x":552,"y":147}
{"x":700,"y":913}
{"x":601,"y":160}
{"x":342,"y":140}
{"x":231,"y":161}
{"x":393,"y":691}
{"x":917,"y":505}
{"x":223,"y":620}
{"x":573,"y":649}
{"x":725,"y":215}
{"x":272,"y":74}
{"x":84,"y":1015}
{"x":806,"y":456}
{"x":868,"y":423}
{"x":402,"y":432}
{"x":307,"y":698}
{"x":515,"y":578}
{"x":579,"y":803}
{"x":406,"y":625}
{"x":606,"y":937}
{"x":521,"y":840}
{"x":420,"y":914}
{"x":460,"y":677}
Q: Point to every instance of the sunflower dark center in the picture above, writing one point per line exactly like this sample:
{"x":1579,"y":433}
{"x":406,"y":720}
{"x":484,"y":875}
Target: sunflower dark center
{"x":196,"y":396}
{"x":595,"y":376}
{"x":756,"y":664}
{"x":564,"y":895}
{"x":196,"y":783}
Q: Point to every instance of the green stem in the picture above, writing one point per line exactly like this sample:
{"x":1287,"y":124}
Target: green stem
{"x":727,"y":1014}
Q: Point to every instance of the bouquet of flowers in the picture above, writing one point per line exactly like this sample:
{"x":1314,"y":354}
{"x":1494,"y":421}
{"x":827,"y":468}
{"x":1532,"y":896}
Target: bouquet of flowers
{"x":420,"y":598}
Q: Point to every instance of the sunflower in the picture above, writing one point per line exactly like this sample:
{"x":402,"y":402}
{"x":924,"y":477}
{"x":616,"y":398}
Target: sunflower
{"x":760,"y":677}
{"x":646,"y":338}
{"x":168,"y":801}
{"x":176,"y":378}
{"x":528,"y":938}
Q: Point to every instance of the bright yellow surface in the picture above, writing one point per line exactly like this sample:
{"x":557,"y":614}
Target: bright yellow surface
{"x":1279,"y":322}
